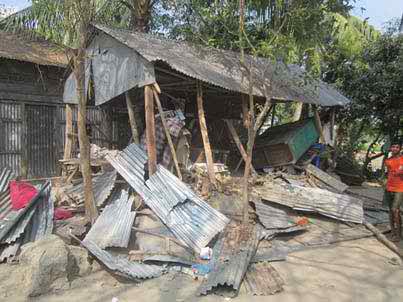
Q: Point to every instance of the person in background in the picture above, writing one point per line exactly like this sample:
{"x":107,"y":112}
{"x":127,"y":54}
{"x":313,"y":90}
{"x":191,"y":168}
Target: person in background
{"x":394,"y":189}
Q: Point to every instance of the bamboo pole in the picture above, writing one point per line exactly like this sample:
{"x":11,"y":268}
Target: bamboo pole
{"x":204,"y":132}
{"x":167,"y":134}
{"x":132,"y":118}
{"x":150,"y":130}
{"x":68,"y":145}
{"x":318,"y":125}
{"x":382,"y":238}
{"x":237,"y":141}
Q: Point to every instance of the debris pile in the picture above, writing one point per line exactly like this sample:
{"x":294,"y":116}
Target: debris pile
{"x":206,"y":240}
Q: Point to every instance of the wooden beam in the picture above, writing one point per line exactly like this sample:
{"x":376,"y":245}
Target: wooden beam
{"x":318,"y":125}
{"x":237,"y":141}
{"x":167,"y":134}
{"x":150,"y":130}
{"x":132,"y":118}
{"x":326,"y":178}
{"x":68,"y":145}
{"x":204,"y":133}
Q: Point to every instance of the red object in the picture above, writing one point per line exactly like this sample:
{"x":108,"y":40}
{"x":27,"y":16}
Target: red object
{"x":303,"y":221}
{"x":61,"y":214}
{"x":395,"y":181}
{"x":21,"y":193}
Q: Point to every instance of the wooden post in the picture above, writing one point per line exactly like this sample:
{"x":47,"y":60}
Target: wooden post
{"x":68,"y":141}
{"x":132,"y":118}
{"x":150,"y":130}
{"x":167,"y":134}
{"x":298,"y":112}
{"x":318,"y":125}
{"x":237,"y":141}
{"x":204,"y":132}
{"x":273,"y":115}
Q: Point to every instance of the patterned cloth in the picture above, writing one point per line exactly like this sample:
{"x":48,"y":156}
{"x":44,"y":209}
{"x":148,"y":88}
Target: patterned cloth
{"x":164,"y":155}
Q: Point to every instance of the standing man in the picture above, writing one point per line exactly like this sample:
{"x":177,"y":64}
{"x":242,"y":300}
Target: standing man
{"x":394,"y":189}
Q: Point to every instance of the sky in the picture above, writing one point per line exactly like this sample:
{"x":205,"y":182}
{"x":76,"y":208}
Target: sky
{"x":378,"y":11}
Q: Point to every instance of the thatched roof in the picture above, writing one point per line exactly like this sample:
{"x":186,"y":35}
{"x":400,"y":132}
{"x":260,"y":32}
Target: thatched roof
{"x":17,"y":47}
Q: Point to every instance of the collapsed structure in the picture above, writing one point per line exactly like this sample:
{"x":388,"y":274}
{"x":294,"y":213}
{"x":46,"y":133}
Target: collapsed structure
{"x":199,"y":93}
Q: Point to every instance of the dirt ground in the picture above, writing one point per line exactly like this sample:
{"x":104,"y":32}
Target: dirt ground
{"x":361,"y":270}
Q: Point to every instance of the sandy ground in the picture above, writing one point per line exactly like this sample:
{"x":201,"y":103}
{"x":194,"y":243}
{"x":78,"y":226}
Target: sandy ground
{"x":360,"y":270}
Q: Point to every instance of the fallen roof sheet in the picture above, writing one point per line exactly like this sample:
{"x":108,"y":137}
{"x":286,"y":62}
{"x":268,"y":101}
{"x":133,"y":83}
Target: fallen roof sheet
{"x":232,"y":254}
{"x":262,"y":279}
{"x":130,"y":269}
{"x":189,"y":218}
{"x":326,"y":178}
{"x":167,"y":259}
{"x":223,"y":69}
{"x":273,"y":216}
{"x":270,"y":234}
{"x":113,"y":227}
{"x":102,"y":185}
{"x":333,"y":205}
{"x":6,"y":175}
{"x":17,"y":47}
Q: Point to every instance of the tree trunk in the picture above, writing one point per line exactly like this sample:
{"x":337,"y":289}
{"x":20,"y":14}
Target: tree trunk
{"x":140,"y":11}
{"x":79,"y":70}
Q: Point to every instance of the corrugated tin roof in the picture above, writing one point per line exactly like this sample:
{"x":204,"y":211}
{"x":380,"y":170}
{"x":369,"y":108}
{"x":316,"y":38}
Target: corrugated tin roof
{"x":130,"y":269}
{"x":6,"y":175}
{"x":232,"y":254}
{"x":113,"y":227}
{"x":223,"y":69}
{"x":16,"y":47}
{"x":273,"y":216}
{"x":101,"y":184}
{"x":262,"y":279}
{"x":189,"y":218}
{"x":333,"y":205}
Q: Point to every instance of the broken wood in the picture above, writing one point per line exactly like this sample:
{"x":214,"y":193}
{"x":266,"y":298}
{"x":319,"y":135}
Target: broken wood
{"x":382,"y":238}
{"x":318,"y":125}
{"x":167,"y":134}
{"x":132,"y":118}
{"x":326,"y":178}
{"x":150,"y":130}
{"x":237,"y":141}
{"x":204,"y":133}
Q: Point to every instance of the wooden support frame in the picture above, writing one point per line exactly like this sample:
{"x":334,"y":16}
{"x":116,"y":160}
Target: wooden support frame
{"x":204,"y":132}
{"x":318,"y":124}
{"x":132,"y":118}
{"x":237,"y":141}
{"x":167,"y":134}
{"x":150,"y":129}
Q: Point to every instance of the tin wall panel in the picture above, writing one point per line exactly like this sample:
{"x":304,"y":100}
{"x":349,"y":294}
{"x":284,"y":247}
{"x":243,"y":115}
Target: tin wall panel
{"x":10,"y":135}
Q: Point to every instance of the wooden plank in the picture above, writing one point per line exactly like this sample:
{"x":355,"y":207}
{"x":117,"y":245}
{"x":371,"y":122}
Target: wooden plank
{"x":150,"y":130}
{"x":326,"y":178}
{"x":237,"y":141}
{"x":132,"y":118}
{"x":318,"y":125}
{"x":69,"y":138}
{"x":204,"y":132}
{"x":167,"y":134}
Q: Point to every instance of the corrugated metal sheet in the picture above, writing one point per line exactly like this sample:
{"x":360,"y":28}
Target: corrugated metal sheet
{"x":113,"y":227}
{"x":5,"y":176}
{"x":11,"y":117}
{"x":38,"y":215}
{"x":167,"y":259}
{"x":262,"y":279}
{"x":130,"y":269}
{"x":273,"y":216}
{"x":269,"y":234}
{"x":9,"y":252}
{"x":5,"y":204}
{"x":223,"y":69}
{"x":102,"y":185}
{"x":270,"y":253}
{"x":189,"y":218}
{"x":324,"y":202}
{"x":231,"y":257}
